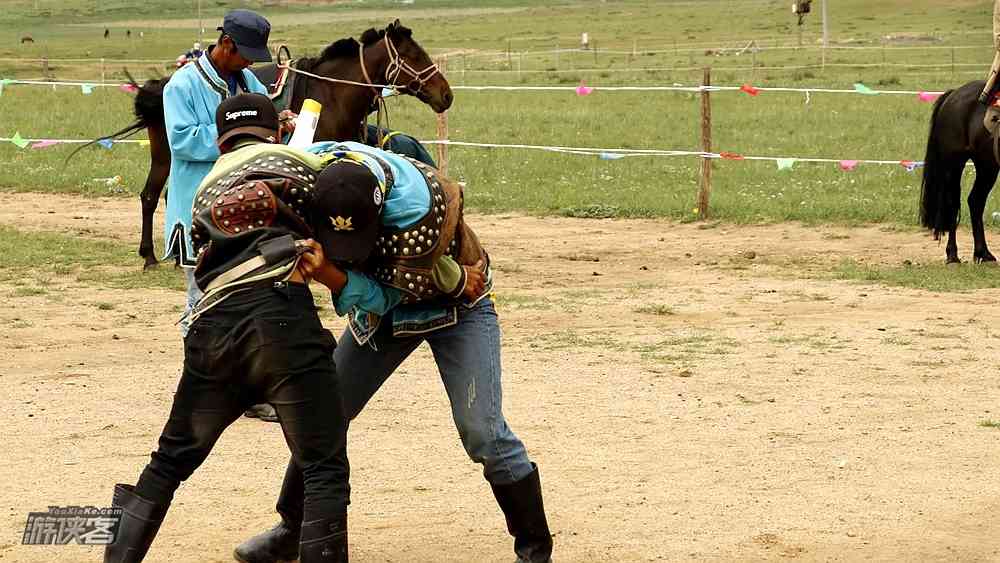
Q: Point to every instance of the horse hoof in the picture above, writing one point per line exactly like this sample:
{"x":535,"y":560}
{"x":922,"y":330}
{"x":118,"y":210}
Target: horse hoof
{"x":150,"y":266}
{"x":953,"y":262}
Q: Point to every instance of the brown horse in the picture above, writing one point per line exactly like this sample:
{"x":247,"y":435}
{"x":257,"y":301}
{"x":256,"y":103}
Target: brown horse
{"x":390,"y":57}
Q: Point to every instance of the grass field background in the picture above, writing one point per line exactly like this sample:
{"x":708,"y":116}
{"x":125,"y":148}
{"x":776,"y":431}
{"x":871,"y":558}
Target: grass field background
{"x":670,"y":36}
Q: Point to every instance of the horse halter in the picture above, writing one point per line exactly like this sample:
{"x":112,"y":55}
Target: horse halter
{"x":398,"y":65}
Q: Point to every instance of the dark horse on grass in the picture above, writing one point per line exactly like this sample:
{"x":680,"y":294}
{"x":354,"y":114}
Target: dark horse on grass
{"x":390,"y":57}
{"x":958,"y":135}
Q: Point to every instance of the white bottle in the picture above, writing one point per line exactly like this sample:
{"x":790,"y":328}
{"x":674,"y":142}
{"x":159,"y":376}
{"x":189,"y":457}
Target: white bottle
{"x":305,"y":124}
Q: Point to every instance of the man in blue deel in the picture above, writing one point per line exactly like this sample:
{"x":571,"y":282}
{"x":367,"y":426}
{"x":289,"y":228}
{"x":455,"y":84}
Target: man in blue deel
{"x":189,"y":103}
{"x":190,"y":99}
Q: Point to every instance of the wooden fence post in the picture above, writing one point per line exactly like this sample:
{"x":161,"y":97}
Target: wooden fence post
{"x":705,"y":187}
{"x":442,"y":130}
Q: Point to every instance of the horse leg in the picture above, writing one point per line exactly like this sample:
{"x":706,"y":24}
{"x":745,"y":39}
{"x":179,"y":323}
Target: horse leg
{"x":986,"y":176}
{"x":951,"y":249}
{"x":159,"y":169}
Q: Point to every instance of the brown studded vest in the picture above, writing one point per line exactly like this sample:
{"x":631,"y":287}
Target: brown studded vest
{"x":405,"y":258}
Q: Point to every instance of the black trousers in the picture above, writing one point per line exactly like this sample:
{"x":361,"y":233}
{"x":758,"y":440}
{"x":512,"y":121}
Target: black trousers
{"x":264,"y":344}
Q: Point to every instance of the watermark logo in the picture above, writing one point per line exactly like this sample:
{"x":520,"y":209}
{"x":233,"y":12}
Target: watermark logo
{"x":61,"y":525}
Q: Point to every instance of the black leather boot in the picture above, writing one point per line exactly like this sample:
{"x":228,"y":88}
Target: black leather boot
{"x":140,"y":521}
{"x":521,"y":503}
{"x":280,"y":543}
{"x":324,"y":541}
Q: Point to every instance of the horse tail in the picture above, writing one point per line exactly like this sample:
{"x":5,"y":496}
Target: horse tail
{"x":135,"y":127}
{"x":148,"y":110}
{"x":940,"y":203}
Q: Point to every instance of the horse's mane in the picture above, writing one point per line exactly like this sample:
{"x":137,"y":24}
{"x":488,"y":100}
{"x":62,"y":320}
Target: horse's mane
{"x":349,"y":47}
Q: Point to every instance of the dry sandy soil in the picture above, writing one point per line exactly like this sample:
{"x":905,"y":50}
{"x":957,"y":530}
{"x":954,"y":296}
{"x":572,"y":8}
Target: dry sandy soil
{"x":682,"y":402}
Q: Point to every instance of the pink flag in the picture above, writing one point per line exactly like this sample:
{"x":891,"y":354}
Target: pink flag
{"x":848,"y":165}
{"x":128,"y":88}
{"x":749,"y":90}
{"x":43,"y":144}
{"x":583,"y":89}
{"x":928,"y":96}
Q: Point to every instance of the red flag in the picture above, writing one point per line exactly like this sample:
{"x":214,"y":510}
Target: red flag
{"x":749,"y":89}
{"x":731,"y":156}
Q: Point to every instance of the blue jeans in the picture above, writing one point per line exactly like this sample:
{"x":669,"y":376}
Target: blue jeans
{"x":193,"y":295}
{"x":468,"y":359}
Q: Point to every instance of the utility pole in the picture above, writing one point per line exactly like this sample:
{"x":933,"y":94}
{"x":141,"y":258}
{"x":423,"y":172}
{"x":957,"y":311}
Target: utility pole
{"x":826,"y":28}
{"x":201,"y":24}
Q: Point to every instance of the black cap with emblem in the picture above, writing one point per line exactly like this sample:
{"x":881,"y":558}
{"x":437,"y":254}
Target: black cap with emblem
{"x":246,"y":114}
{"x":346,"y":211}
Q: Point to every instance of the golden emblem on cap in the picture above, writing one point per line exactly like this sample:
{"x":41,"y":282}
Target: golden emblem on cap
{"x":341,"y":224}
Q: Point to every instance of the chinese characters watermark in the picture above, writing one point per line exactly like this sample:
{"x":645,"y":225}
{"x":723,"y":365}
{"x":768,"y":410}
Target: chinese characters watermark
{"x":61,"y":525}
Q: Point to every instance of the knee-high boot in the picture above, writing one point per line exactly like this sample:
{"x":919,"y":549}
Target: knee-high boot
{"x":140,"y":521}
{"x":280,"y":543}
{"x":324,"y":541}
{"x":522,"y":506}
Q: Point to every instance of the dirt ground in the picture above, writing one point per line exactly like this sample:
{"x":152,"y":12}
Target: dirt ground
{"x":682,"y":400}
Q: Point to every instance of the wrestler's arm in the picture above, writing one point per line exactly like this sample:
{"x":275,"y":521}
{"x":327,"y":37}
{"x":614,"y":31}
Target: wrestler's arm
{"x":455,"y":280}
{"x":350,"y":289}
{"x":366,"y":294}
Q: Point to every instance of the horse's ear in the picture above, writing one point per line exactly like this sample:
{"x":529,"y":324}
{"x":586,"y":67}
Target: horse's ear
{"x":399,"y":30}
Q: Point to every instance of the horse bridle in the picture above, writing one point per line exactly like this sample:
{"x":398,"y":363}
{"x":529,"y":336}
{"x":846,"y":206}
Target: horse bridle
{"x":398,"y":65}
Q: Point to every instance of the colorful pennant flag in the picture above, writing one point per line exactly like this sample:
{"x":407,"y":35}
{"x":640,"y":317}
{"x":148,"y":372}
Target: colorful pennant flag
{"x":143,"y":142}
{"x":928,"y":97}
{"x":750,"y":90}
{"x":611,"y":156}
{"x":44,"y":143}
{"x":583,"y":89}
{"x":730,"y":156}
{"x":910,"y":165}
{"x":862,"y":89}
{"x":4,"y":82}
{"x":848,"y":165}
{"x":106,"y":143}
{"x":785,"y":163}
{"x":87,"y":88}
{"x":18,"y":141}
{"x":128,"y":88}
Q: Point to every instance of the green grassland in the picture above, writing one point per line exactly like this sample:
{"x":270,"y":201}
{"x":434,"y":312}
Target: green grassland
{"x":670,"y":36}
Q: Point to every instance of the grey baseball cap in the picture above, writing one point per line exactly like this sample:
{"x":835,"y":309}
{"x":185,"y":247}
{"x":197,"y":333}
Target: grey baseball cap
{"x":249,"y":30}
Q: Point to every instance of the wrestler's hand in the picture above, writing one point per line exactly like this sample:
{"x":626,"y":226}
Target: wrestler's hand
{"x":287,"y":120}
{"x":315,"y":266}
{"x":475,"y":281}
{"x":311,"y":258}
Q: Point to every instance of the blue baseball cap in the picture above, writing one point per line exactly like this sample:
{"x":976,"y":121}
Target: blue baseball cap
{"x":249,"y":30}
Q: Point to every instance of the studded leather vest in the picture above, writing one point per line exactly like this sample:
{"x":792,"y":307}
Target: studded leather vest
{"x":405,"y":258}
{"x":262,"y":198}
